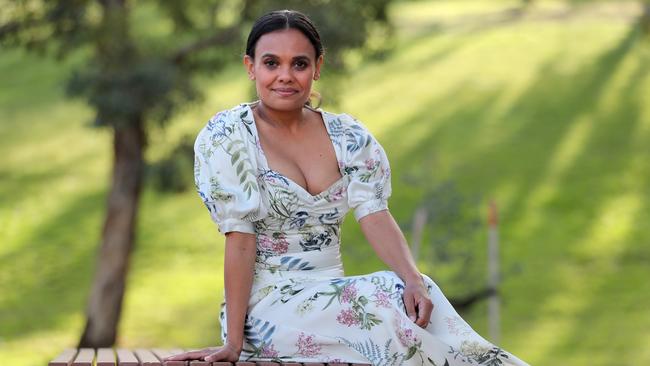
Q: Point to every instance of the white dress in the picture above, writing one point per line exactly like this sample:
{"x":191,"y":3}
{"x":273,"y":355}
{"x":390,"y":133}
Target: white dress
{"x":302,"y":308}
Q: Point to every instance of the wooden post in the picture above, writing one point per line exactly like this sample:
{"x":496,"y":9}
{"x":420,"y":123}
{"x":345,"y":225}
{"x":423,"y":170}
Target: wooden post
{"x":494,"y":317}
{"x":419,"y":221}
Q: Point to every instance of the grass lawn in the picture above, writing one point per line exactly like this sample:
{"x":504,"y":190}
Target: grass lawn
{"x":543,"y":111}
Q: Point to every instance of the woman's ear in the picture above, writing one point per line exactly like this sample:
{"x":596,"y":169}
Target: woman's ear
{"x":249,"y":63}
{"x":319,"y":64}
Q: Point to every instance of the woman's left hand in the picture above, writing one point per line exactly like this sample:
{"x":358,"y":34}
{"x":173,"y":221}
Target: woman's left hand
{"x":417,"y":303}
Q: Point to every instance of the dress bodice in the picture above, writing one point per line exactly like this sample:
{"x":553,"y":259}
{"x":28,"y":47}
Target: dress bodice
{"x":296,"y":231}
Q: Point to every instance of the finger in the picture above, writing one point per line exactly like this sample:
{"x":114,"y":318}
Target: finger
{"x":192,"y":355}
{"x":425,"y":307}
{"x":409,"y":304}
{"x":177,"y":357}
{"x":216,"y":356}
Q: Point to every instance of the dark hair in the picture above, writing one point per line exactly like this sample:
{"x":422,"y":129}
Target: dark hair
{"x":283,"y":19}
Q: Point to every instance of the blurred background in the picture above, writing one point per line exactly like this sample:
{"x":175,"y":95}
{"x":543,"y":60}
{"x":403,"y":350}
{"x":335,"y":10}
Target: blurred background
{"x":541,"y":107}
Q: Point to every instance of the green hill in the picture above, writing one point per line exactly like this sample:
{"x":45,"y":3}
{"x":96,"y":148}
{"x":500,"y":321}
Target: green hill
{"x":543,"y":111}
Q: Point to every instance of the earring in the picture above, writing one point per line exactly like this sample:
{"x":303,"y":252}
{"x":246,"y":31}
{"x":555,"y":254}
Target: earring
{"x":251,"y":76}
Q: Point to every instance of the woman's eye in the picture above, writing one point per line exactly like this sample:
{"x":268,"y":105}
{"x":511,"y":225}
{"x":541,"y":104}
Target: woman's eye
{"x":270,"y":63}
{"x":301,"y":65}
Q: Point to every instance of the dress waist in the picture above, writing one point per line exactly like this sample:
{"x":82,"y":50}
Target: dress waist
{"x":305,"y":266}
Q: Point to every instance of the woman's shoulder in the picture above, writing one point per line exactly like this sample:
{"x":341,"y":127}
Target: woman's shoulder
{"x":235,"y":122}
{"x":349,"y":132}
{"x":343,"y":119}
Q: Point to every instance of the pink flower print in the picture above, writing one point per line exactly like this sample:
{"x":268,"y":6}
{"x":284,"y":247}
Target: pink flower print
{"x":370,"y":163}
{"x":280,"y":246}
{"x":269,"y":351}
{"x":382,"y":299}
{"x":347,"y":317}
{"x":457,"y":326}
{"x":337,"y":194}
{"x":349,"y":293}
{"x":407,"y":337}
{"x":265,"y":242}
{"x":306,"y":345}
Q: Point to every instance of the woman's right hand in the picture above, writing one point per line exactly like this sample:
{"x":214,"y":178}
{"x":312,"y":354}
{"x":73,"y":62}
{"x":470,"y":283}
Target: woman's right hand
{"x":211,"y":354}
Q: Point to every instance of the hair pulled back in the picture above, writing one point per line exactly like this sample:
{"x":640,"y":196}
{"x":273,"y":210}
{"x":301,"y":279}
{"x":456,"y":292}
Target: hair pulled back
{"x":283,"y":19}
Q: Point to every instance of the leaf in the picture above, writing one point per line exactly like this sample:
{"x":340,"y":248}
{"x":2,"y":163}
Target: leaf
{"x":329,"y":302}
{"x":231,"y":144}
{"x":411,"y":352}
{"x":293,"y":263}
{"x":234,"y":157}
{"x":240,"y":167}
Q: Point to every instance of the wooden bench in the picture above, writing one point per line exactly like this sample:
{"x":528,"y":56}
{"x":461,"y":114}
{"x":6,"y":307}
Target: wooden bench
{"x":151,"y":357}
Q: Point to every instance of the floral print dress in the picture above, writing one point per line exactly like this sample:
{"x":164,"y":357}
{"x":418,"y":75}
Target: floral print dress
{"x":302,"y":308}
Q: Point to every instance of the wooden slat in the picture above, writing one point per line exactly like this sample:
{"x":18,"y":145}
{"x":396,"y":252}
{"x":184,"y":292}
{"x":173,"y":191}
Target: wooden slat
{"x":85,"y":357}
{"x":162,"y":353}
{"x":126,"y":358}
{"x":154,"y":357}
{"x":65,"y":358}
{"x":199,"y":363}
{"x":147,"y":358}
{"x":106,"y":357}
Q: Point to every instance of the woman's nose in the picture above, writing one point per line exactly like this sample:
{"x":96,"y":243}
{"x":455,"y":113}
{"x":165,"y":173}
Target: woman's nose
{"x":285,"y":75}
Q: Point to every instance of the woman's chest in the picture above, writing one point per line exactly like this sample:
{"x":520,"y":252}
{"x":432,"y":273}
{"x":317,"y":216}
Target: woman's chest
{"x":290,"y":206}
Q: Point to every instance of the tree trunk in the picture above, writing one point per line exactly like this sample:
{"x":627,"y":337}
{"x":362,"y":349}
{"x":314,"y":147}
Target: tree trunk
{"x":105,"y":302}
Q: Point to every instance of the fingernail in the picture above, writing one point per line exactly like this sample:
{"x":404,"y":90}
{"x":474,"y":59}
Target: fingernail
{"x":412,"y":318}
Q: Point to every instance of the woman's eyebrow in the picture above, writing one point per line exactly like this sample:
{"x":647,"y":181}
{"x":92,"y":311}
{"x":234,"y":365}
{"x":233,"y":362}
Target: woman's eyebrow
{"x":299,"y":57}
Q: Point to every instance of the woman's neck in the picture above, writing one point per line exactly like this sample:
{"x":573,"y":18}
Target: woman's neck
{"x":289,"y":120}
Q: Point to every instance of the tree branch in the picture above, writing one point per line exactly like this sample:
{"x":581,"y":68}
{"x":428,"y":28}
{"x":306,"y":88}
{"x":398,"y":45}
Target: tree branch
{"x":225,"y":35}
{"x":14,"y":27}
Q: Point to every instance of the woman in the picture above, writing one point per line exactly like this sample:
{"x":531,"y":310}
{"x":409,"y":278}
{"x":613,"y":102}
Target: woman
{"x":278,"y":177}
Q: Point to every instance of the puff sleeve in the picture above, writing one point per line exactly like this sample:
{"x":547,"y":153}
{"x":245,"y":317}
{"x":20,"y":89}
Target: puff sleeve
{"x":367,"y":165}
{"x":225,"y":174}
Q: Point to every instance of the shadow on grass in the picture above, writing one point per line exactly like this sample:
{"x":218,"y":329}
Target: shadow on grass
{"x":617,"y":301}
{"x":540,"y":119}
{"x":48,"y":276}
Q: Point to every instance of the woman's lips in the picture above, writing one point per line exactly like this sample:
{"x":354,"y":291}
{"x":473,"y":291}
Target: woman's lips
{"x":285,"y":92}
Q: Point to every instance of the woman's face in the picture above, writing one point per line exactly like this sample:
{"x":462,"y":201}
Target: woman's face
{"x":284,"y":68}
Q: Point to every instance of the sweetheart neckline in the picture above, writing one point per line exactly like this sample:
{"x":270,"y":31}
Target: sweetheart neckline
{"x":266,"y":162}
{"x":302,"y":189}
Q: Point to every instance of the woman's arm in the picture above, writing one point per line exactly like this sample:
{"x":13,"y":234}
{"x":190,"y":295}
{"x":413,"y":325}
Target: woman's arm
{"x":239,"y":262}
{"x":386,"y":238}
{"x":239,"y":265}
